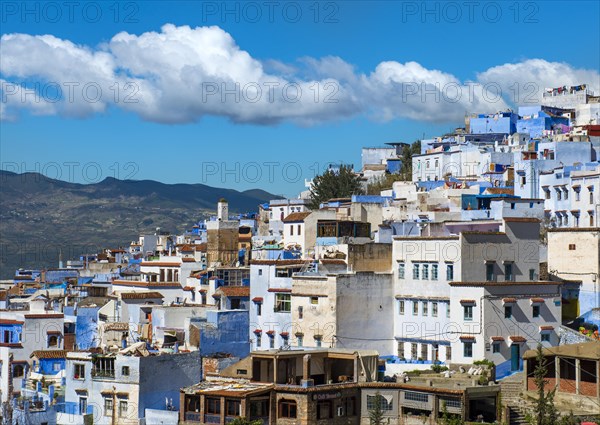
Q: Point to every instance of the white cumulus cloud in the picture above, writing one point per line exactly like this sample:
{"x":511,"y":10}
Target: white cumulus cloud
{"x":181,"y":74}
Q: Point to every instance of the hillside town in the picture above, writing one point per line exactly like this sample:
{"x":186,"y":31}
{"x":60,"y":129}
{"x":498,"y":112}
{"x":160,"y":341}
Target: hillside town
{"x":465,"y":266}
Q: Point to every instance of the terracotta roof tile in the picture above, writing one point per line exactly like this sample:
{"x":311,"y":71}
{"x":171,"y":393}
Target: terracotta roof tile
{"x":142,"y":295}
{"x":517,"y":338}
{"x":235,"y":291}
{"x":537,"y":300}
{"x":10,"y":322}
{"x":49,"y":354}
{"x":297,"y":216}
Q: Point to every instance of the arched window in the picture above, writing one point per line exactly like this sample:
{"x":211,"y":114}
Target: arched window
{"x":18,"y":371}
{"x":287,"y":409}
{"x":52,"y":341}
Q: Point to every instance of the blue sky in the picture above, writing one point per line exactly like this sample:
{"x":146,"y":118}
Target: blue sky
{"x":366,"y":49}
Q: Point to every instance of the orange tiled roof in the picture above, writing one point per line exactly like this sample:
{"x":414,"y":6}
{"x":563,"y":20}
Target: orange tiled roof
{"x":235,"y":291}
{"x":297,"y":216}
{"x":141,"y":295}
{"x":49,"y":354}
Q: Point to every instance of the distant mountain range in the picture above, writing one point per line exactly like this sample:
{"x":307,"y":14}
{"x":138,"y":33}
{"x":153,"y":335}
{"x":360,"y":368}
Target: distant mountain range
{"x":41,"y":217}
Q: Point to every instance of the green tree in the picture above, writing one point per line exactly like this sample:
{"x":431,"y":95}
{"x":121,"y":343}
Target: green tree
{"x":544,"y":411}
{"x":407,"y":154}
{"x":244,"y":421}
{"x":341,"y":183}
{"x":376,"y":413}
{"x":447,"y":418}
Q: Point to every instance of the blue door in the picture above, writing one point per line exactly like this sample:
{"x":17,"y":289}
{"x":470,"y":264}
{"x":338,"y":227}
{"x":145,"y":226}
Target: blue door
{"x":515,"y":357}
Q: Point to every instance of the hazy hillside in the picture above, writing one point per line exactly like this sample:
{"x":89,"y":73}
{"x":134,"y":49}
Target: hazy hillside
{"x":39,"y":216}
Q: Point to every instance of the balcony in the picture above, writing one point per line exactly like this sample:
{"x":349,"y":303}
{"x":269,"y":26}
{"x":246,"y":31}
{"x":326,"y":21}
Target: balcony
{"x":108,"y":374}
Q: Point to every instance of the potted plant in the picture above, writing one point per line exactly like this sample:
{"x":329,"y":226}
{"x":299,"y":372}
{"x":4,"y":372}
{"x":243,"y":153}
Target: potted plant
{"x":420,"y":360}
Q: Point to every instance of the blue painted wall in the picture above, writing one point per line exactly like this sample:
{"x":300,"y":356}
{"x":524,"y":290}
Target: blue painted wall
{"x":13,"y":337}
{"x":47,"y":366}
{"x":86,"y":327}
{"x":230,"y":333}
{"x":504,"y":123}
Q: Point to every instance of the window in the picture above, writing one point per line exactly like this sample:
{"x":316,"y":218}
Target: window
{"x":566,"y":192}
{"x":18,"y":371}
{"x":401,"y":306}
{"x":495,"y":347}
{"x":448,"y":310}
{"x":324,"y":409}
{"x":283,"y":303}
{"x":545,"y":337}
{"x":400,"y":349}
{"x":401,"y":270}
{"x":52,"y":341}
{"x":508,"y":272}
{"x":512,"y":205}
{"x":287,"y":409}
{"x":415,"y":308}
{"x":425,"y":308}
{"x":108,"y":406}
{"x":467,"y":349}
{"x":449,"y":271}
{"x":259,"y":309}
{"x":122,"y":408}
{"x":125,"y":371}
{"x":212,"y":406}
{"x":314,"y":300}
{"x":547,"y":192}
{"x":531,"y":274}
{"x":434,"y":309}
{"x":271,"y":341}
{"x":424,"y":351}
{"x":413,"y":351}
{"x":591,"y":196}
{"x":104,"y":367}
{"x":78,"y":371}
{"x":577,"y":194}
{"x":291,"y":230}
{"x":572,"y":247}
{"x":383,"y":403}
{"x":260,"y":272}
{"x":416,"y":271}
{"x":299,"y":230}
{"x":536,"y":311}
{"x":468,"y":312}
{"x":300,"y":312}
{"x":233,"y":407}
{"x":300,"y":340}
{"x":258,"y":340}
{"x":83,"y":405}
{"x":414,"y":396}
{"x":318,"y":340}
{"x":349,"y":404}
{"x":508,"y":311}
{"x":434,"y":272}
{"x":558,"y":194}
{"x":425,"y":271}
{"x":448,"y":353}
{"x":489,"y":272}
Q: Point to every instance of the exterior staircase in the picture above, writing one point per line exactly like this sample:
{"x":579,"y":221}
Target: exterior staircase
{"x":515,"y":405}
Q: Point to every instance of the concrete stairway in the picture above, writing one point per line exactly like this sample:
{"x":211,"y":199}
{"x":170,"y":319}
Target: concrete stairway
{"x":512,"y":397}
